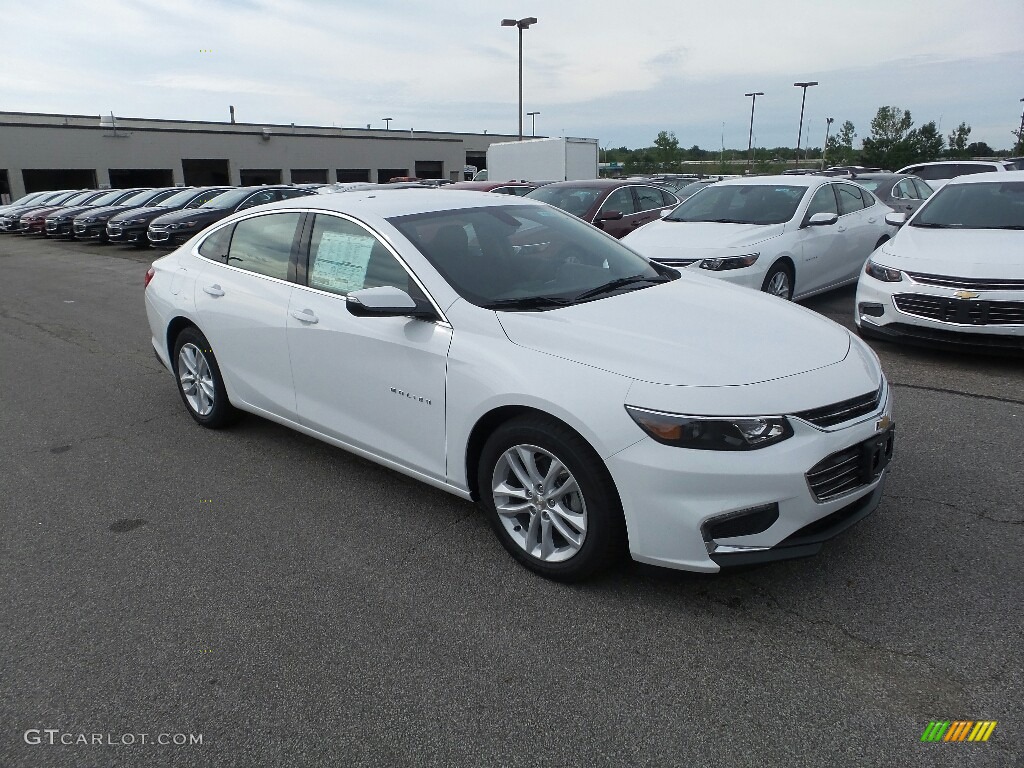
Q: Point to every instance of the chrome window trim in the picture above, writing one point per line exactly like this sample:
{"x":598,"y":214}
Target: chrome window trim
{"x":341,"y":297}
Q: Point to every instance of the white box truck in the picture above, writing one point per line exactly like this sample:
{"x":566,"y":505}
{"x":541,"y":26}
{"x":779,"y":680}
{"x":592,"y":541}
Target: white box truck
{"x":557,"y":159}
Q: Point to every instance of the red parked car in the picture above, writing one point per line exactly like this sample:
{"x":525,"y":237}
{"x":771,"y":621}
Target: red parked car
{"x":617,"y":207}
{"x":33,"y":221}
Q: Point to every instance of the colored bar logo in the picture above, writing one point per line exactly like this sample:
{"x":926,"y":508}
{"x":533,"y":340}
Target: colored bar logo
{"x":958,"y":730}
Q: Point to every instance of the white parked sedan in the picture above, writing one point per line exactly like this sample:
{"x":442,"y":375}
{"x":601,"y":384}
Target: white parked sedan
{"x":505,"y":351}
{"x":791,"y":236}
{"x":954,"y":275}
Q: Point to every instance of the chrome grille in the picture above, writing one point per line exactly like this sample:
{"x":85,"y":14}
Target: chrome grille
{"x":845,"y":410}
{"x":677,"y":262}
{"x":960,"y":311}
{"x":970,"y":283}
{"x":850,"y":469}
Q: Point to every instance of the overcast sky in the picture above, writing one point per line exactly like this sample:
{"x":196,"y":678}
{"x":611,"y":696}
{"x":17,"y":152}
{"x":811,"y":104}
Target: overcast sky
{"x":617,"y":71}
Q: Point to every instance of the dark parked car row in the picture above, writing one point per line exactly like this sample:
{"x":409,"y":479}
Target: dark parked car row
{"x":163,"y":217}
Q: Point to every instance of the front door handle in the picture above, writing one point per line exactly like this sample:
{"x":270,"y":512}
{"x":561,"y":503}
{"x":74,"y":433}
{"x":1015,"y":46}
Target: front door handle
{"x":213,"y":290}
{"x":305,"y":316}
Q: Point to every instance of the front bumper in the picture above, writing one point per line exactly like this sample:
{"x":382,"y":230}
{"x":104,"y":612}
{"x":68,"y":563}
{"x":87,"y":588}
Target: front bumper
{"x":93,"y":231}
{"x":120,"y":234}
{"x":673,"y":496}
{"x":162,"y":238}
{"x":877,"y":316}
{"x":58,"y":229}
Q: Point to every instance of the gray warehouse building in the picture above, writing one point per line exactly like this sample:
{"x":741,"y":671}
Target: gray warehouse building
{"x":50,"y":151}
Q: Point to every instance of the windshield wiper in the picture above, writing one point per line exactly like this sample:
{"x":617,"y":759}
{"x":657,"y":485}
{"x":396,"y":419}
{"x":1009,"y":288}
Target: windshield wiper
{"x":929,"y":225}
{"x":621,"y":282}
{"x":528,"y":302}
{"x":726,"y":221}
{"x":1006,"y":226}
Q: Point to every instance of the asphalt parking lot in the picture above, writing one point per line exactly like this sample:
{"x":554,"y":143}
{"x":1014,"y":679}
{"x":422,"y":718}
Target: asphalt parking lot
{"x":298,"y":606}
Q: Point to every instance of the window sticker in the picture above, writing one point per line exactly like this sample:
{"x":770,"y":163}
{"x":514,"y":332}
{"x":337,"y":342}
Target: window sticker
{"x":341,"y":261}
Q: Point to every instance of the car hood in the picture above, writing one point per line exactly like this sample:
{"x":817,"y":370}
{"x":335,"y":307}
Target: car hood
{"x":697,"y":239}
{"x":956,"y":252}
{"x":692,"y":331}
{"x":72,"y":211}
{"x":143,"y":212}
{"x":207,"y":215}
{"x":42,"y":210}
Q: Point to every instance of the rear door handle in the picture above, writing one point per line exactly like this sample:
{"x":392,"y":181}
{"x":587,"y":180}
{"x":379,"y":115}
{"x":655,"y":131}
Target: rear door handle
{"x":305,"y":316}
{"x":213,"y":290}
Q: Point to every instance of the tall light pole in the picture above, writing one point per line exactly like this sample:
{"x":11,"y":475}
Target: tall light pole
{"x":521,"y":24}
{"x":800,"y":133}
{"x":824,"y":147}
{"x":533,"y":124}
{"x":387,"y":123}
{"x":750,"y":138}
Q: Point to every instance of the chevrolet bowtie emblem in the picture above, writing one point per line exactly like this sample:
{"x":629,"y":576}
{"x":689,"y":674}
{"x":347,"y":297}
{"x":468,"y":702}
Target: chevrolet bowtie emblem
{"x":883,"y":423}
{"x":966,"y":295}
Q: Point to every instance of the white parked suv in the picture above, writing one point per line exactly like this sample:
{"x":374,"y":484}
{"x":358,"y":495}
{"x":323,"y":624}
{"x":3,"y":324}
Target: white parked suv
{"x":954,"y":274}
{"x":938,"y":173}
{"x":791,"y":236}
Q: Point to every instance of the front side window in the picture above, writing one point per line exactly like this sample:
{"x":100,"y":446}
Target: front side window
{"x":620,"y":200}
{"x":264,"y":244}
{"x":575,"y":200}
{"x":741,"y":204}
{"x":524,"y":257}
{"x":824,"y":201}
{"x":345,"y":256}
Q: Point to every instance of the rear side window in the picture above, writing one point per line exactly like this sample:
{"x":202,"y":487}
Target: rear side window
{"x":963,"y":169}
{"x":905,"y":189}
{"x":850,"y":199}
{"x":649,"y":198}
{"x":946,"y":171}
{"x":264,"y":244}
{"x":344,"y":257}
{"x":923,"y":190}
{"x":215,"y":246}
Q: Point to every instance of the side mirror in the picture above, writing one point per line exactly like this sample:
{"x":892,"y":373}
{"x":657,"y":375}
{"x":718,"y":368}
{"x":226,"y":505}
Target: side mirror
{"x":609,"y":216}
{"x":895,"y":219}
{"x":664,"y":212}
{"x":822,"y":219}
{"x":387,"y":301}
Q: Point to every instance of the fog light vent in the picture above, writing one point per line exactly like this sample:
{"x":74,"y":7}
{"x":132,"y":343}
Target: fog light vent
{"x":871,"y":309}
{"x":744,"y":522}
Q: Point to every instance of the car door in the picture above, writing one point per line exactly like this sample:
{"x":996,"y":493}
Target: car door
{"x":375,"y":383}
{"x":861,"y":224}
{"x":619,"y":201}
{"x":822,"y":248}
{"x":242,"y":298}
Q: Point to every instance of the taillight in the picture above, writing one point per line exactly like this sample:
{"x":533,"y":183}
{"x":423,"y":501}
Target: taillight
{"x":150,"y":274}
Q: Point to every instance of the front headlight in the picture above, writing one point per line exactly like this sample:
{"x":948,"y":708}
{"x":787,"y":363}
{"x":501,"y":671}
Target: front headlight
{"x":183,"y":225}
{"x":722,"y":263}
{"x":131,"y":222}
{"x":885,"y":274}
{"x":740,"y":433}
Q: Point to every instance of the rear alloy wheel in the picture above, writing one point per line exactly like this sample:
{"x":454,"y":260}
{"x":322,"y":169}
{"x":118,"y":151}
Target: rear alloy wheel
{"x":200,"y":383}
{"x":779,"y":282}
{"x":549,"y":499}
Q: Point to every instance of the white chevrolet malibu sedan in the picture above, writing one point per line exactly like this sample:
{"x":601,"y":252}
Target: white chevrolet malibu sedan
{"x":954,"y":275}
{"x":507,"y":352}
{"x":791,"y":236}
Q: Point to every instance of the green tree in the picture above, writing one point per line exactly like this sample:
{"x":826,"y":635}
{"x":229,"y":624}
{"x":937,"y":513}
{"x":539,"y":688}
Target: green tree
{"x":958,"y":140}
{"x":667,"y":149}
{"x":980,"y":149}
{"x":887,"y":144}
{"x":926,"y":143}
{"x":839,"y":150}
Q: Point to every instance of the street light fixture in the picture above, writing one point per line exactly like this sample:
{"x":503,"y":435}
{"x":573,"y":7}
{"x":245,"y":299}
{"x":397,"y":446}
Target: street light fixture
{"x":750,"y":139}
{"x":533,"y":124}
{"x":387,"y":123}
{"x":800,"y":133}
{"x":520,"y":24}
{"x":824,"y":147}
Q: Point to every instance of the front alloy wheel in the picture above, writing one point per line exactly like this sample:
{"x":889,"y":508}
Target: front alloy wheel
{"x":550,"y":499}
{"x":779,"y":282}
{"x":539,"y":503}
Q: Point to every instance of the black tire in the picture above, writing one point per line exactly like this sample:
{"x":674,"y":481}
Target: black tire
{"x":221,"y":413}
{"x":881,"y":240}
{"x":779,"y":268}
{"x":605,"y":536}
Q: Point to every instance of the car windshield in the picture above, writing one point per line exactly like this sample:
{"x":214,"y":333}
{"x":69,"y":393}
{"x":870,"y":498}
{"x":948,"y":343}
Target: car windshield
{"x":987,"y":205}
{"x":77,"y":199}
{"x":140,"y":198}
{"x":108,"y":198}
{"x":575,"y":200}
{"x":871,"y":184}
{"x":520,"y":257}
{"x":229,"y":199}
{"x":741,"y":204}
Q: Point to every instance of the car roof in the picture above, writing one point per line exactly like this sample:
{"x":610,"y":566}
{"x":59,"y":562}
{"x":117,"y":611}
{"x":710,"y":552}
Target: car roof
{"x":794,"y":180}
{"x":883,"y":176}
{"x":485,"y":186}
{"x":952,"y":162}
{"x":982,"y":178}
{"x":401,"y":202}
{"x":602,"y":183}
